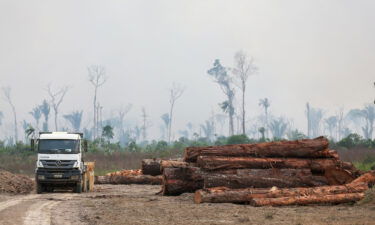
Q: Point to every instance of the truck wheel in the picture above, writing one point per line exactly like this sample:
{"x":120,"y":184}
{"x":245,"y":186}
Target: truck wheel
{"x":78,"y":187}
{"x":39,"y":188}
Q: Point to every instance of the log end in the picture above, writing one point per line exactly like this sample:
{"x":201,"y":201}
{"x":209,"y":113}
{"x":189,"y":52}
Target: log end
{"x":198,"y":197}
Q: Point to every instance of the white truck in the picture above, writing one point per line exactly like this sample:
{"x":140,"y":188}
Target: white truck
{"x":60,"y":162}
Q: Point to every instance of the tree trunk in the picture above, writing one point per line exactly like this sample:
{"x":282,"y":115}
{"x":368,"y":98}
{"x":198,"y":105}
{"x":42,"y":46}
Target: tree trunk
{"x":136,"y":179}
{"x":306,"y":148}
{"x":246,"y":195}
{"x":368,"y":178}
{"x":307,"y":200}
{"x":269,"y":178}
{"x":151,"y":167}
{"x":180,"y":180}
{"x":222,"y":163}
{"x":173,"y":164}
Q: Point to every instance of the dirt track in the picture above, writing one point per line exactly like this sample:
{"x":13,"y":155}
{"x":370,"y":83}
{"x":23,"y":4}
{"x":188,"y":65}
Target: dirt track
{"x":138,"y":204}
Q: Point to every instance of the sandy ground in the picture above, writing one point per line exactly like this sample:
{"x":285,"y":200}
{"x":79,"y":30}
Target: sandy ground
{"x":138,"y":204}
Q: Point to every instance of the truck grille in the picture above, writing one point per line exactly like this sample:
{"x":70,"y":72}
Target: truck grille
{"x":58,"y":164}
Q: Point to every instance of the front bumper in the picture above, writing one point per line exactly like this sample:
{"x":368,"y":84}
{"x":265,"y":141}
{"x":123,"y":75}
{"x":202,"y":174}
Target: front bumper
{"x":58,"y":176}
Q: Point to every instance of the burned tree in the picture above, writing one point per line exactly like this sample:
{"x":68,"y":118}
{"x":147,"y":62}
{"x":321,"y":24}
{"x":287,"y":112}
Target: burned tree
{"x":97,"y":78}
{"x":175,"y":92}
{"x":244,"y":67}
{"x":7,"y":97}
{"x":220,"y":76}
{"x":56,"y":99}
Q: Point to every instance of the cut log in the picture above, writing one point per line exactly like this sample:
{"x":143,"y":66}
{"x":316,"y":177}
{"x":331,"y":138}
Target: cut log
{"x":228,"y":195}
{"x":138,"y":179}
{"x":221,"y":163}
{"x":173,"y":164}
{"x":101,"y":180}
{"x":180,"y":180}
{"x":264,"y":178}
{"x":338,"y":176}
{"x":306,"y":148}
{"x":129,"y":179}
{"x":307,"y":200}
{"x":368,"y":178}
{"x":151,"y":167}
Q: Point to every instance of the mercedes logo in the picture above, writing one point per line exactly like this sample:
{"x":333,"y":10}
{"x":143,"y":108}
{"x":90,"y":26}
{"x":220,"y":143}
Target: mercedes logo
{"x":58,"y":163}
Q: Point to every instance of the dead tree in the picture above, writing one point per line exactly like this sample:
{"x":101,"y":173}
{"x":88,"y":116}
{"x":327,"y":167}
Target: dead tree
{"x":220,"y":76}
{"x":145,"y":123}
{"x":7,"y":97}
{"x":97,"y":78}
{"x":244,"y":67}
{"x":56,"y":99}
{"x":175,"y":92}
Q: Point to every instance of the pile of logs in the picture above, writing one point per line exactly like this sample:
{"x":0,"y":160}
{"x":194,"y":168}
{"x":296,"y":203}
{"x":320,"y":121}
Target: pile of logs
{"x":147,"y":175}
{"x":274,"y":173}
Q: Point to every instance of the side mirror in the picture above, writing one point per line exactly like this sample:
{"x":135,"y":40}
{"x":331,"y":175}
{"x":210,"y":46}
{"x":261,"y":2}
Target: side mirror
{"x":85,"y":146}
{"x":32,"y":144}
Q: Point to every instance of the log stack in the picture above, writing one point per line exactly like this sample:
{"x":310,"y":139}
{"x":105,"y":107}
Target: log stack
{"x":128,"y":177}
{"x":273,"y":173}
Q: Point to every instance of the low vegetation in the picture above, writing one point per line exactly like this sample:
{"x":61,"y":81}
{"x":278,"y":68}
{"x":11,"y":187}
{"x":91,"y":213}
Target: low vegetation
{"x":112,"y":156}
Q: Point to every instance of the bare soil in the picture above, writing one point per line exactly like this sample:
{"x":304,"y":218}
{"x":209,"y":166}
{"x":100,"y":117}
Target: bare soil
{"x":138,"y":204}
{"x":14,"y":183}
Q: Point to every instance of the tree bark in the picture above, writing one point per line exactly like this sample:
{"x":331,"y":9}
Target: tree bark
{"x":131,"y":179}
{"x":257,"y":181}
{"x":173,"y":164}
{"x":246,"y":195}
{"x":180,"y":180}
{"x":151,"y":167}
{"x":306,"y":148}
{"x":221,"y":163}
{"x":368,"y":178}
{"x":307,"y":200}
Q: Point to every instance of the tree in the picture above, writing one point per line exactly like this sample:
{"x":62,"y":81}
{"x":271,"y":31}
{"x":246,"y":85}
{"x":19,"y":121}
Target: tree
{"x":265,"y":104}
{"x":278,"y":127}
{"x":75,"y":119}
{"x":367,"y":114}
{"x":29,"y":131}
{"x":166,"y":120}
{"x":261,"y":131}
{"x":37,"y":114}
{"x":220,"y":76}
{"x":175,"y":92}
{"x":145,"y":124}
{"x":331,"y":123}
{"x":56,"y":99}
{"x":7,"y":97}
{"x":107,"y":132}
{"x":208,"y":129}
{"x":295,"y":135}
{"x":122,"y":112}
{"x":45,"y":109}
{"x":314,"y":117}
{"x":97,"y":78}
{"x":244,"y":67}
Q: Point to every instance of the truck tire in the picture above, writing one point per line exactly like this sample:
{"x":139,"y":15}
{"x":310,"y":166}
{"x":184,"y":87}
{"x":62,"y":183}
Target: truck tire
{"x":39,"y":188}
{"x":78,"y":187}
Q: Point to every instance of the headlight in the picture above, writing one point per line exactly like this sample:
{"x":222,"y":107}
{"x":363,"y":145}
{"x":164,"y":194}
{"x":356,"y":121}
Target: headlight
{"x":39,"y":164}
{"x":41,"y":177}
{"x":76,"y":164}
{"x":74,"y":177}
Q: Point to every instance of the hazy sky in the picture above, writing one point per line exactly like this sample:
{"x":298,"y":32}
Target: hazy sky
{"x":318,"y":51}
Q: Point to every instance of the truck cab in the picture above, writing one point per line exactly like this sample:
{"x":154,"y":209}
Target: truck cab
{"x":60,"y":161}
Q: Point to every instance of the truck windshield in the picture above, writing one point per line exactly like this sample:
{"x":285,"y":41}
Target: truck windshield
{"x":58,"y":146}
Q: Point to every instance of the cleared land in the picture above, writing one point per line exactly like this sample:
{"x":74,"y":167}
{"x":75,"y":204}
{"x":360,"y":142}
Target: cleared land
{"x":138,"y":204}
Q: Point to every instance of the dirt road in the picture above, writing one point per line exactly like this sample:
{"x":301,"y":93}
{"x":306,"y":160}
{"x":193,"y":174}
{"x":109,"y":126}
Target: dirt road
{"x":138,"y":204}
